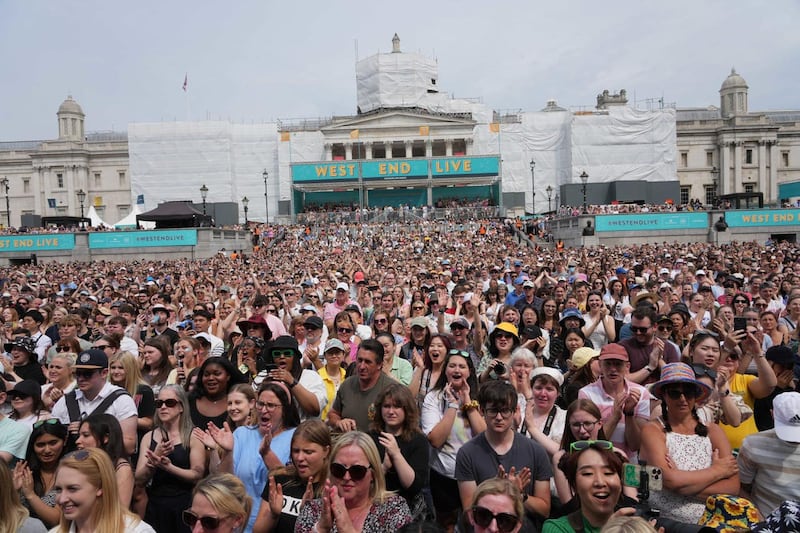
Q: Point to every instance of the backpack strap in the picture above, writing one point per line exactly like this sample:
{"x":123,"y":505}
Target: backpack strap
{"x":108,"y":400}
{"x":575,"y":520}
{"x":73,"y":410}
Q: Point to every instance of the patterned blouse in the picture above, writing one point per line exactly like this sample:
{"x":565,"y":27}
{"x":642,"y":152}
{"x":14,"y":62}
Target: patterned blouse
{"x":390,"y":515}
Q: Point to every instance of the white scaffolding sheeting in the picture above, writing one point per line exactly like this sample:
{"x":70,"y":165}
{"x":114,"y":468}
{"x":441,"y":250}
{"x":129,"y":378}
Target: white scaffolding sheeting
{"x":172,"y":160}
{"x":395,"y":80}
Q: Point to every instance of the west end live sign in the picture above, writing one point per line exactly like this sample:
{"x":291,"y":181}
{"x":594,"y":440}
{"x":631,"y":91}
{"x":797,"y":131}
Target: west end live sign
{"x":396,"y":168}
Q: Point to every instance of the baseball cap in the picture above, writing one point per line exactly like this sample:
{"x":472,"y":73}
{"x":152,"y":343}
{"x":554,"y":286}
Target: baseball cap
{"x":342,"y":286}
{"x":700,"y":272}
{"x":334,"y":344}
{"x":460,"y":322}
{"x":314,"y":322}
{"x":419,"y":322}
{"x":92,"y":359}
{"x":613,"y":351}
{"x":581,"y":356}
{"x":310,"y":308}
{"x":786,"y":410}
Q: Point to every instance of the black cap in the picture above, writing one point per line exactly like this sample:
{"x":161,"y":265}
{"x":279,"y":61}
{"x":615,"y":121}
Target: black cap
{"x":92,"y":359}
{"x":780,"y":354}
{"x":26,"y":387}
{"x":313,"y":321}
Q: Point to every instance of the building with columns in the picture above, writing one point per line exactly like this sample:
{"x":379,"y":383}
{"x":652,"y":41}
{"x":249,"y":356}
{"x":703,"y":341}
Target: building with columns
{"x":730,"y":149}
{"x":44,"y":177}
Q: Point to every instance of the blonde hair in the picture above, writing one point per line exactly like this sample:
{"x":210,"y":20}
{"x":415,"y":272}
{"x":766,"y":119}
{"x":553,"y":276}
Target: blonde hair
{"x":185,"y":425}
{"x":627,"y":524}
{"x":133,"y":374}
{"x":377,"y":489}
{"x":107,"y":513}
{"x":247,"y":391}
{"x":500,"y":486}
{"x":12,"y":511}
{"x":226,"y":493}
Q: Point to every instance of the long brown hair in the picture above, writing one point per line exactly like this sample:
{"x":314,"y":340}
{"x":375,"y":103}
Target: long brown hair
{"x":400,"y":395}
{"x":317,"y":432}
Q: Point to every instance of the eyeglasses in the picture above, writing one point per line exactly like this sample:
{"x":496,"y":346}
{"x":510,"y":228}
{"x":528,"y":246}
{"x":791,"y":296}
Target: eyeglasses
{"x":272,"y":311}
{"x":418,"y":308}
{"x":579,"y":445}
{"x":760,"y":304}
{"x":504,"y":335}
{"x":344,"y":330}
{"x":506,"y":522}
{"x":101,"y":346}
{"x":267,"y":406}
{"x":85,"y":374}
{"x":577,"y":426}
{"x":702,"y":370}
{"x":740,"y":302}
{"x":63,"y":348}
{"x":282,"y":353}
{"x":640,"y":329}
{"x":208,"y":522}
{"x":665,"y":327}
{"x":492,"y":412}
{"x":49,"y":422}
{"x":381,"y":320}
{"x":357,"y":472}
{"x":170,"y":402}
{"x":675,"y":393}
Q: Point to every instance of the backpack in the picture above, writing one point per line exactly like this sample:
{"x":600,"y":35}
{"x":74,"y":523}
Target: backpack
{"x":75,"y":412}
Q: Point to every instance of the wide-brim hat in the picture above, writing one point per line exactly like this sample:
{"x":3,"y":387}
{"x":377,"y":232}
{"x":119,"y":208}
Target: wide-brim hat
{"x":644,"y":296}
{"x":571,"y":312}
{"x":680,"y":373}
{"x":726,"y":513}
{"x":26,"y":343}
{"x":256,"y":321}
{"x":286,"y":342}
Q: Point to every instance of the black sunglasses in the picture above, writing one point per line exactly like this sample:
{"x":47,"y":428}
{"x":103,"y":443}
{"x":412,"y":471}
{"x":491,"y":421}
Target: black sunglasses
{"x":357,"y":472}
{"x":506,"y":522}
{"x":170,"y":402}
{"x":675,"y":393}
{"x":208,"y":522}
{"x":85,"y":373}
{"x":63,"y":348}
{"x":639,"y":329}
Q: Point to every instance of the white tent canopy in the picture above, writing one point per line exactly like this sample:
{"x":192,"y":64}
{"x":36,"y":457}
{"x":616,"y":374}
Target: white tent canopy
{"x":95,"y":218}
{"x":130,"y":221}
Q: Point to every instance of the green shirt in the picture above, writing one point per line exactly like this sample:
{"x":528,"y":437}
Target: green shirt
{"x":561,"y":525}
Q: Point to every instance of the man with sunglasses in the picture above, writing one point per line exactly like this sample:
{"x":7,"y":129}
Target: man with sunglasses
{"x":647,"y":352}
{"x":95,"y":392}
{"x":502,"y":451}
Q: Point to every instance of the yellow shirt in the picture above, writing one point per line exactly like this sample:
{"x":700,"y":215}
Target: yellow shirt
{"x":740,"y":385}
{"x":330,"y":389}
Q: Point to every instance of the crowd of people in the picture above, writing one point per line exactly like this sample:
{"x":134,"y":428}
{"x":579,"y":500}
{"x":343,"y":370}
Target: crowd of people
{"x":397,"y":377}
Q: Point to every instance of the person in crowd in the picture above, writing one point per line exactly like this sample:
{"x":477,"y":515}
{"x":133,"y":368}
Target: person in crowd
{"x":208,"y":402}
{"x":523,"y":362}
{"x":287,"y":488}
{"x":16,"y":518}
{"x":769,"y":462}
{"x":544,"y":420}
{"x":497,"y":507}
{"x":450,"y":417}
{"x":34,"y":478}
{"x":402,"y":447}
{"x":782,"y":361}
{"x":354,"y":497}
{"x":68,"y":328}
{"x":103,"y":431}
{"x":503,"y":340}
{"x":170,"y":461}
{"x":157,"y":367}
{"x":396,"y":367}
{"x":123,"y":371}
{"x":356,"y":395}
{"x":695,"y":458}
{"x":625,"y":405}
{"x":419,"y":339}
{"x":26,"y":402}
{"x":344,"y":328}
{"x":584,"y":368}
{"x":86,"y":490}
{"x":332,"y":372}
{"x":647,"y":352}
{"x":428,"y":369}
{"x":219,"y":503}
{"x":599,"y":325}
{"x":60,"y":377}
{"x":306,"y":386}
{"x":25,"y":360}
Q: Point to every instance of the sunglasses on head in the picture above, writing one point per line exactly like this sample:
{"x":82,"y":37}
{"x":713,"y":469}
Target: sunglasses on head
{"x":462,"y":353}
{"x":579,"y":445}
{"x":170,"y":402}
{"x":506,"y":522}
{"x":357,"y":472}
{"x":49,"y":421}
{"x":675,"y":393}
{"x":208,"y":522}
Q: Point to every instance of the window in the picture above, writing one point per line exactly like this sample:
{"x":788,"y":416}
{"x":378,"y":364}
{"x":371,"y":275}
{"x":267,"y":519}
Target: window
{"x":97,"y":179}
{"x":358,"y":151}
{"x":59,"y":181}
{"x":684,"y":159}
{"x":121,"y":174}
{"x":337,"y":152}
{"x":709,"y":194}
{"x":709,"y":158}
{"x":123,"y":210}
{"x":749,"y":187}
{"x":26,"y":185}
{"x":785,"y":159}
{"x":684,"y":195}
{"x":459,"y":147}
{"x":439,"y":148}
{"x":378,"y":151}
{"x":748,"y":156}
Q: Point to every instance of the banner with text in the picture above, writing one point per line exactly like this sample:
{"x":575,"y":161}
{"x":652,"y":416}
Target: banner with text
{"x":143,"y":239}
{"x":37,"y":243}
{"x":651,"y":222}
{"x":394,"y":169}
{"x":762,"y":217}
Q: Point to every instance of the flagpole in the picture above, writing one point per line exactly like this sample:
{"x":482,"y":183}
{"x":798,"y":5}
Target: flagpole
{"x":186,"y":97}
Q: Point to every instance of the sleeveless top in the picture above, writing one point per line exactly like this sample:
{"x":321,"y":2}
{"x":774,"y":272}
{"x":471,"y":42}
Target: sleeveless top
{"x":165,"y":484}
{"x":689,"y":452}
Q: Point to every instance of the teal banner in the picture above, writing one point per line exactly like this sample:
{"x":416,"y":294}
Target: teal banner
{"x":395,"y":169}
{"x":337,"y":170}
{"x":741,"y":218}
{"x":651,"y":221}
{"x":143,"y":239}
{"x":37,"y":243}
{"x":465,"y":166}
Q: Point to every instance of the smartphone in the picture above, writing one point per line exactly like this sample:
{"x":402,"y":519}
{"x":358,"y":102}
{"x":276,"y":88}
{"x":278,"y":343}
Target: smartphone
{"x":632,"y":476}
{"x":270,"y":368}
{"x":739,"y":323}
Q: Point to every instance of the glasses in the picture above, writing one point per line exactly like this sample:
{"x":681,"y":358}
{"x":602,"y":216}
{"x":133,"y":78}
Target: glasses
{"x":101,"y":346}
{"x":640,"y":329}
{"x":740,"y":302}
{"x":506,"y":522}
{"x":267,"y":406}
{"x":462,"y":353}
{"x":272,"y":311}
{"x":577,"y":426}
{"x":171,"y":402}
{"x":208,"y":522}
{"x":492,"y":412}
{"x":675,"y":393}
{"x":579,"y":445}
{"x":504,"y":335}
{"x":665,"y":327}
{"x":63,"y":348}
{"x":357,"y":472}
{"x":702,"y":370}
{"x":418,"y":308}
{"x":381,"y":320}
{"x":259,"y":305}
{"x":85,"y":374}
{"x":760,"y":304}
{"x":282,"y":353}
{"x":344,"y":330}
{"x":49,"y":422}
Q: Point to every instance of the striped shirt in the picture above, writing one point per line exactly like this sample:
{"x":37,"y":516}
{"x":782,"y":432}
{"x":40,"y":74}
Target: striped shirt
{"x":772,"y":466}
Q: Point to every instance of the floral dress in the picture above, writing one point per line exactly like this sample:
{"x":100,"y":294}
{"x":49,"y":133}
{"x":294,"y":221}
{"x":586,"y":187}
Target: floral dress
{"x":390,"y":515}
{"x":688,"y":452}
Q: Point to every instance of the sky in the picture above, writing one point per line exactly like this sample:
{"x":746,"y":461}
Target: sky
{"x":261,"y":60}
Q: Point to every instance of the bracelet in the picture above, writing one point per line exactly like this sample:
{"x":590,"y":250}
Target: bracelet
{"x":649,"y":370}
{"x":469,"y":405}
{"x":726,"y":393}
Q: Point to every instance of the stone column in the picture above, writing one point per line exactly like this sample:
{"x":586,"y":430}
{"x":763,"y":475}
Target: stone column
{"x":428,"y":147}
{"x":368,"y":150}
{"x":724,"y":169}
{"x":348,"y":151}
{"x":388,"y":146}
{"x":448,"y":147}
{"x":772,"y":196}
{"x":409,"y":149}
{"x":328,"y":152}
{"x":737,"y":166}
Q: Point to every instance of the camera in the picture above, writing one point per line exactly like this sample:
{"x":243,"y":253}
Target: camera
{"x":499,"y":368}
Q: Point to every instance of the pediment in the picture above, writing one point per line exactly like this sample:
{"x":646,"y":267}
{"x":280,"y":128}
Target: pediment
{"x":397,"y":120}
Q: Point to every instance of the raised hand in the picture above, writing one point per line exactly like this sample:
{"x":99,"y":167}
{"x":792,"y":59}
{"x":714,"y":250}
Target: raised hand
{"x":222,"y":436}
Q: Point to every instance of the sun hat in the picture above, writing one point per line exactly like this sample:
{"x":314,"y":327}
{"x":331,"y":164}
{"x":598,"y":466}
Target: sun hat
{"x":571,"y":312}
{"x":788,"y":513}
{"x":508,"y":327}
{"x":727,"y":514}
{"x":581,"y":356}
{"x":680,"y":373}
{"x":26,"y":343}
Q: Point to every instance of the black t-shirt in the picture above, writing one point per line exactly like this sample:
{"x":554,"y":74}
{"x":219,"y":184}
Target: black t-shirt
{"x":31,"y":371}
{"x":293,"y":490}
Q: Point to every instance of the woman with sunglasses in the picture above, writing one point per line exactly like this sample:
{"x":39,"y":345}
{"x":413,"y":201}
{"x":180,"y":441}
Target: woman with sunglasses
{"x":741,"y":302}
{"x":220,"y":504}
{"x":344,"y":328}
{"x":695,"y":458}
{"x":87,"y":495}
{"x":171,"y":462}
{"x":402,"y":447}
{"x":594,"y":472}
{"x":496,"y":364}
{"x":305,"y":386}
{"x":303,"y":480}
{"x":496,"y":507}
{"x":354,"y":497}
{"x":34,"y":478}
{"x":103,"y":431}
{"x":26,"y":403}
{"x":450,"y":417}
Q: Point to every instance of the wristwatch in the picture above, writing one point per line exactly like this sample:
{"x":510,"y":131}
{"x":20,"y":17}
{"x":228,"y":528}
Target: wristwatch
{"x":649,"y":370}
{"x":293,"y":384}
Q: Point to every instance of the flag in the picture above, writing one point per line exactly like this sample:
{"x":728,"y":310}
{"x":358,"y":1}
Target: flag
{"x":185,"y":81}
{"x":285,"y":136}
{"x":140,"y":199}
{"x":51,"y":203}
{"x":424,"y":130}
{"x":494,"y":127}
{"x":354,"y":134}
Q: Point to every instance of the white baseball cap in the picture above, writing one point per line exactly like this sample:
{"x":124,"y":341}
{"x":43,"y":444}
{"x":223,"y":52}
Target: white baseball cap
{"x":786,"y":411}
